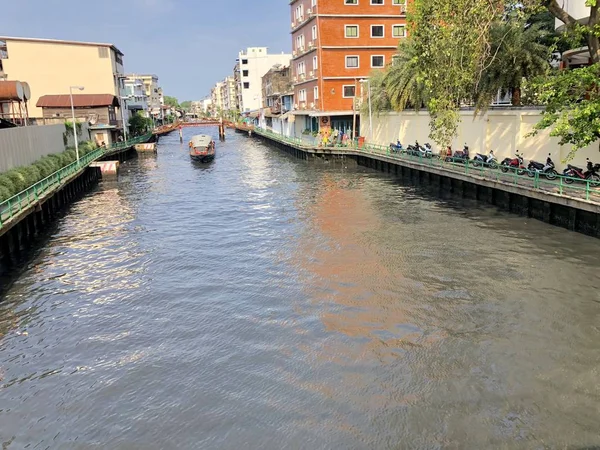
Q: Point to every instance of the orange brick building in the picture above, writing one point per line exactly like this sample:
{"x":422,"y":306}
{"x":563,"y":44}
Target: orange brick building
{"x":336,"y":44}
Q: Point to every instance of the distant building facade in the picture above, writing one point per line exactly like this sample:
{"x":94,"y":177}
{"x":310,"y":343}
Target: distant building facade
{"x":253,"y":64}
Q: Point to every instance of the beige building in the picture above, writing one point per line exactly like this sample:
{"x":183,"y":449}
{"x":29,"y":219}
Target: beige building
{"x":52,"y":66}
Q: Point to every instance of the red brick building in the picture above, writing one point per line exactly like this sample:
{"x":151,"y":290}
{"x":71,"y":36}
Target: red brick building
{"x":337,"y":43}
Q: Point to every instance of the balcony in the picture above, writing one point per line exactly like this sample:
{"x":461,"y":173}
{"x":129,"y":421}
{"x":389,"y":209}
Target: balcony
{"x":310,"y":14}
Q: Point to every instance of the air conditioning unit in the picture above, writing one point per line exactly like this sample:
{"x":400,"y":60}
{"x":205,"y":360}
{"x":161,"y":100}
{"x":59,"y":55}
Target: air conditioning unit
{"x":302,"y":105}
{"x":311,"y":44}
{"x":295,"y":105}
{"x":309,"y":11}
{"x":294,"y":53}
{"x":301,"y":19}
{"x":295,"y":79}
{"x":311,"y":74}
{"x":301,"y":49}
{"x":302,"y":76}
{"x":403,"y":10}
{"x":312,"y":105}
{"x":293,"y":25}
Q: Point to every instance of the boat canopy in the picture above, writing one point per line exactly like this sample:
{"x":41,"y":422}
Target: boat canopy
{"x":201,"y":140}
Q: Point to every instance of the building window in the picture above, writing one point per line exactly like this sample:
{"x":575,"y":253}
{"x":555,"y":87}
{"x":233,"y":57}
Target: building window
{"x":377,"y":61}
{"x":316,"y":92}
{"x":376,"y":2}
{"x":302,"y":95}
{"x":244,"y":61}
{"x":349,"y":90}
{"x":313,"y":3}
{"x":314,"y":32}
{"x":399,"y":2}
{"x":398,"y":31}
{"x":301,"y":68}
{"x":351,"y":31}
{"x":246,"y":85}
{"x":315,"y":63}
{"x":350,"y":2}
{"x":377,"y":31}
{"x":351,"y":62}
{"x":245,"y":73}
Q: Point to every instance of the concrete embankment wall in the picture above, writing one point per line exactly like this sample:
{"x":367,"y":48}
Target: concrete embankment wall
{"x":503,"y":131}
{"x":24,"y":145}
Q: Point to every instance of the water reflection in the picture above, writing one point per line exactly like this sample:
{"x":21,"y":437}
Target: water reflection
{"x":268,"y":302}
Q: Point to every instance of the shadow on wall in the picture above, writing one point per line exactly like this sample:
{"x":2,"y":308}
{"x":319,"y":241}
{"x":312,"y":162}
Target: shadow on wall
{"x":502,"y":131}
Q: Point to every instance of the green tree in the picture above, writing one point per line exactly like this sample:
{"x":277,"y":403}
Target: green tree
{"x":138,"y":124}
{"x":572,"y":99}
{"x":171,"y":101}
{"x":186,"y":105}
{"x":403,"y":83}
{"x":518,"y":53}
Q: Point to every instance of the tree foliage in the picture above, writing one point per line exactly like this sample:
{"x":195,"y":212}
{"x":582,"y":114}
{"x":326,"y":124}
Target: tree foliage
{"x":464,"y":51}
{"x":171,"y":101}
{"x":572,"y":99}
{"x":138,"y":124}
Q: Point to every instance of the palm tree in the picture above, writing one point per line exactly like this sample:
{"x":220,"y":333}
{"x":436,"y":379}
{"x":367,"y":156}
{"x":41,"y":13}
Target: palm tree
{"x":517,"y":54}
{"x":402,"y":82}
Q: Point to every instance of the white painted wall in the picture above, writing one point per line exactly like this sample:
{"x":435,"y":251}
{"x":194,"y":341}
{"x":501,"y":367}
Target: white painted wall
{"x":502,"y":131}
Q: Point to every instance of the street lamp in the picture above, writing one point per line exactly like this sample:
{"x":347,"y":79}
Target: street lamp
{"x":81,"y":88}
{"x":368,"y":81}
{"x":123,"y":106}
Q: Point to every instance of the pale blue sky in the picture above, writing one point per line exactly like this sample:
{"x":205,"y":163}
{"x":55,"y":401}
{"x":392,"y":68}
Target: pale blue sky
{"x":189,"y":44}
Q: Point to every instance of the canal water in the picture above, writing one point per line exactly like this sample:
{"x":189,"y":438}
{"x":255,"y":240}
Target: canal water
{"x":266,"y":302}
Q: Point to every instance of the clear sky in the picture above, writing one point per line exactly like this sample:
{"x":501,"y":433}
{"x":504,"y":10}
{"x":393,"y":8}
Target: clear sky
{"x":189,"y":44}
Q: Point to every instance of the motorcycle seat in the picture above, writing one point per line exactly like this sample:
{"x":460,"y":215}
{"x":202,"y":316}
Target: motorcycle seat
{"x":573,"y":167}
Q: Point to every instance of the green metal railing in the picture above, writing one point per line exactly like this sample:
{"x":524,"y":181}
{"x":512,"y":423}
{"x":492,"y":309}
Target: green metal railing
{"x":562,"y":185}
{"x":14,"y":205}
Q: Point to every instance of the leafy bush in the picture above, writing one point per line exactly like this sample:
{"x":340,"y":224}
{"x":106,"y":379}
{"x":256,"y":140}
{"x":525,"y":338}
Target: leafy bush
{"x":5,"y":193}
{"x":20,"y":178}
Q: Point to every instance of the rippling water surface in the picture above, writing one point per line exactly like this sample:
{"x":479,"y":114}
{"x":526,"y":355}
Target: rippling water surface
{"x":266,"y":302}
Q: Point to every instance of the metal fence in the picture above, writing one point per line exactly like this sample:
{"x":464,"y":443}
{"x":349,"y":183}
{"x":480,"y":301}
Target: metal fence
{"x":562,"y":185}
{"x":15,"y":205}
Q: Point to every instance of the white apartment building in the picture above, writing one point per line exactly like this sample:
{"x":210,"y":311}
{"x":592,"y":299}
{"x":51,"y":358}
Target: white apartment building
{"x":578,"y":10}
{"x":253,"y":64}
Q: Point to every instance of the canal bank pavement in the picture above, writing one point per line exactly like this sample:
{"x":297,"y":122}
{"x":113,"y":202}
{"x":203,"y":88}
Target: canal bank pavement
{"x":577,"y":190}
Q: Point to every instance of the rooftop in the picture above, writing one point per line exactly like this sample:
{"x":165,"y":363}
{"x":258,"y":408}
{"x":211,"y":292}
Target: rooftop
{"x":79,"y":101}
{"x":58,"y":41}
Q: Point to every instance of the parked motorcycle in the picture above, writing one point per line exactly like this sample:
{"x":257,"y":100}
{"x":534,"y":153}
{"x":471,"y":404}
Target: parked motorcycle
{"x":485,"y":160}
{"x":515,"y":164}
{"x":573,"y":173}
{"x":461,"y":156}
{"x":397,"y":147}
{"x":548,"y":169}
{"x":419,"y":150}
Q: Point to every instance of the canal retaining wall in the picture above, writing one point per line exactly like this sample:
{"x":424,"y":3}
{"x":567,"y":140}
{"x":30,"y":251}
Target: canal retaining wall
{"x":17,"y":238}
{"x":575,"y":214}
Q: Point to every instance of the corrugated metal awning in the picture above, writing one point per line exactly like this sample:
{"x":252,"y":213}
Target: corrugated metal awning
{"x":79,"y":101}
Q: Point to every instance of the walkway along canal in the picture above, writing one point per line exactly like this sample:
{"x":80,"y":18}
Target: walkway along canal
{"x":573,"y":206}
{"x":267,"y":302}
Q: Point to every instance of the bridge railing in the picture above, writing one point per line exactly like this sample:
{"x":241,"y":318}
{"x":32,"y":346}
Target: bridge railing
{"x":15,"y":204}
{"x":562,"y":185}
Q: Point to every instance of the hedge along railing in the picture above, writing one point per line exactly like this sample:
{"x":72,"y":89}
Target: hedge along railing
{"x":562,"y":185}
{"x":15,"y":205}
